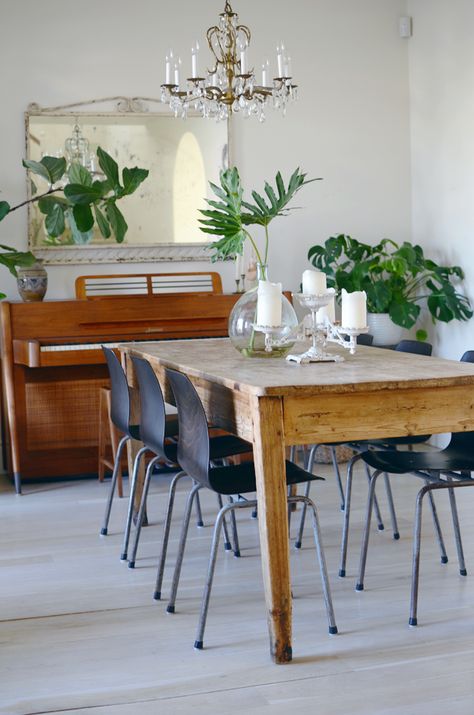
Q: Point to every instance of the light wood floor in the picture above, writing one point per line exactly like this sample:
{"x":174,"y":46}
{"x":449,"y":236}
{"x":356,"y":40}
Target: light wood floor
{"x":80,"y":633}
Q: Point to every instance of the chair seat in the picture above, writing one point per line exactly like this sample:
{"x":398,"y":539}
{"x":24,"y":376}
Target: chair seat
{"x":219,"y":448}
{"x":402,"y":462}
{"x":240,"y":478}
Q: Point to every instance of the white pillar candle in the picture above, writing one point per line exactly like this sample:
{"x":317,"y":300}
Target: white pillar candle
{"x":265,"y":73}
{"x":194,"y":60}
{"x":269,"y":304}
{"x":176,"y":71}
{"x":314,"y":282}
{"x":243,"y":62}
{"x":328,"y":310}
{"x":354,"y":310}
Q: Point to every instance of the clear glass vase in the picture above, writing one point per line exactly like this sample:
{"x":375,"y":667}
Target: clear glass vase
{"x":250,"y":342}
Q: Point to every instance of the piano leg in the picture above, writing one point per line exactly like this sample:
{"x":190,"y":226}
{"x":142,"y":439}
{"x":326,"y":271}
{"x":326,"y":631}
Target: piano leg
{"x":17,"y":479}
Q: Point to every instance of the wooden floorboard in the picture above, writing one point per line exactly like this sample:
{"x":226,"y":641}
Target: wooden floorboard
{"x":80,"y":633}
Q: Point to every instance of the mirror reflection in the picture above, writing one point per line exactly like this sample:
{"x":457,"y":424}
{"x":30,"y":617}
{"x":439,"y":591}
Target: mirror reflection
{"x":181,"y":156}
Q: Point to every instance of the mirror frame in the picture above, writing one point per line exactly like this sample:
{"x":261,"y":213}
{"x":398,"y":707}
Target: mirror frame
{"x":114,"y":252}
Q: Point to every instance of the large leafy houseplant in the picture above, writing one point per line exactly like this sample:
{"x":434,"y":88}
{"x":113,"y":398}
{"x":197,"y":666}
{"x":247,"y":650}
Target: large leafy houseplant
{"x":75,"y":197}
{"x":396,"y":278}
{"x":231,"y":216}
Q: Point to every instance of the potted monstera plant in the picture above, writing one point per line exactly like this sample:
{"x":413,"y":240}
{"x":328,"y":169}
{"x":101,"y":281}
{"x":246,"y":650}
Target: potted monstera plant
{"x":398,"y":279}
{"x":77,"y":198}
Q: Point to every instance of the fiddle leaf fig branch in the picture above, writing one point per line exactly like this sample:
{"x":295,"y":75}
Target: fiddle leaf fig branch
{"x":228,"y":219}
{"x":82,"y":200}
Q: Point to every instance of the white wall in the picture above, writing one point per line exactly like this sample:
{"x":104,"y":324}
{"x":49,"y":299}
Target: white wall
{"x":441,"y":55}
{"x":350,"y":125}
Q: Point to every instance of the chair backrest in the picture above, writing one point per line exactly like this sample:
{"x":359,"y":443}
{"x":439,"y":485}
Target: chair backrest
{"x":140,"y":284}
{"x":463,"y":440}
{"x":193,"y":441}
{"x":414,"y":346}
{"x":119,"y":392}
{"x":152,"y":407}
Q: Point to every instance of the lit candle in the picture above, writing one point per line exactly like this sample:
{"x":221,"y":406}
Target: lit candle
{"x":354,"y":309}
{"x":314,"y":282}
{"x":194,"y":60}
{"x":328,"y":310}
{"x":269,"y":304}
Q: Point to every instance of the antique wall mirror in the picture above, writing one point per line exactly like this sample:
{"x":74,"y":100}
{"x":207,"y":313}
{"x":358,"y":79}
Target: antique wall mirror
{"x":182,"y":156}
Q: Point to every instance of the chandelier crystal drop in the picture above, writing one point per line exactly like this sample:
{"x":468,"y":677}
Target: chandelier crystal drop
{"x":230,"y":85}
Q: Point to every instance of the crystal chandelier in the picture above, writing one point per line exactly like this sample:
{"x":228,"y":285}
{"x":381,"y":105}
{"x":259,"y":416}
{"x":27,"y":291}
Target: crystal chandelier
{"x":230,"y":85}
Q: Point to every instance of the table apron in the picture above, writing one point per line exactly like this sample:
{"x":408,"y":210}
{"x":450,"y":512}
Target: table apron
{"x":333,"y":417}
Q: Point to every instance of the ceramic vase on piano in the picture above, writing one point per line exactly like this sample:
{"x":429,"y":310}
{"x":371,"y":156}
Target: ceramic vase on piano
{"x":32,"y":282}
{"x":263,"y":307}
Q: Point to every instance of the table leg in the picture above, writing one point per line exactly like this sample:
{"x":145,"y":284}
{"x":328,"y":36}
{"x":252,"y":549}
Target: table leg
{"x":269,"y":455}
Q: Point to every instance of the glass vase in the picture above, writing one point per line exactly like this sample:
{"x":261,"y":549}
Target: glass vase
{"x":242,"y":320}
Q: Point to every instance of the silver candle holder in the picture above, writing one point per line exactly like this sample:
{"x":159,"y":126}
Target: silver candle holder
{"x":322,"y":333}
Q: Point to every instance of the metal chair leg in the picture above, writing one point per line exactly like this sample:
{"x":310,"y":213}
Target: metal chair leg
{"x":141,"y":511}
{"x":131,"y":499}
{"x":309,"y":468}
{"x":365,"y":541}
{"x":391,"y":507}
{"x":378,"y":514}
{"x":199,"y":522}
{"x":322,"y":560}
{"x":338,"y":475}
{"x":235,"y":535}
{"x":437,"y":526}
{"x":108,"y":506}
{"x":457,"y":531}
{"x":413,"y":620}
{"x":182,"y":543}
{"x":347,"y":513}
{"x":166,"y":534}
{"x":227,"y":544}
{"x":231,"y":506}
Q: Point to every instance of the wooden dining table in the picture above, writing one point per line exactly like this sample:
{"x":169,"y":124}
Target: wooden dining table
{"x":274,"y":403}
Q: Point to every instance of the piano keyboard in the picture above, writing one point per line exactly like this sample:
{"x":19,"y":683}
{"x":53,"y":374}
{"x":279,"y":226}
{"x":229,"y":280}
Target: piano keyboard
{"x":78,"y":346}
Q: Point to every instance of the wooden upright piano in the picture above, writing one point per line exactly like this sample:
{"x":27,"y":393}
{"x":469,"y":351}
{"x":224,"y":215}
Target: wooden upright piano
{"x":53,"y":369}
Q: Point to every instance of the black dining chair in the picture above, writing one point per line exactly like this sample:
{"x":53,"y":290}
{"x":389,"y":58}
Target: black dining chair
{"x":414,"y":347}
{"x":449,"y":468}
{"x":194,"y":454}
{"x":120,"y":410}
{"x":152,"y":434}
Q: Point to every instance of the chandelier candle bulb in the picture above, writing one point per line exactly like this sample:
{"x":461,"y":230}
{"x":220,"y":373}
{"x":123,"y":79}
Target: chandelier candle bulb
{"x":314,"y":282}
{"x":280,"y":54}
{"x":354,"y":309}
{"x":194,"y":60}
{"x":269,"y":304}
{"x":168,"y":68}
{"x":176,"y":72}
{"x":264,"y":73}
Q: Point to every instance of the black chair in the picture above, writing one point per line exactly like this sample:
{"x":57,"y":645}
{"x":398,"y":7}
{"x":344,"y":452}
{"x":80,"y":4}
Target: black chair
{"x":152,"y":434}
{"x":120,"y":416}
{"x":448,"y":468}
{"x":194,"y":454}
{"x":415,"y":347}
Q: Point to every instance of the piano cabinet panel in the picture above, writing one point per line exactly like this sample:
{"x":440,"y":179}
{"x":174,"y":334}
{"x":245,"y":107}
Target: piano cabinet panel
{"x":60,"y":414}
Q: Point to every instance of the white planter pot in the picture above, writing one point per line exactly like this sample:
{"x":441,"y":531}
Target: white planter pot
{"x":385,"y":332}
